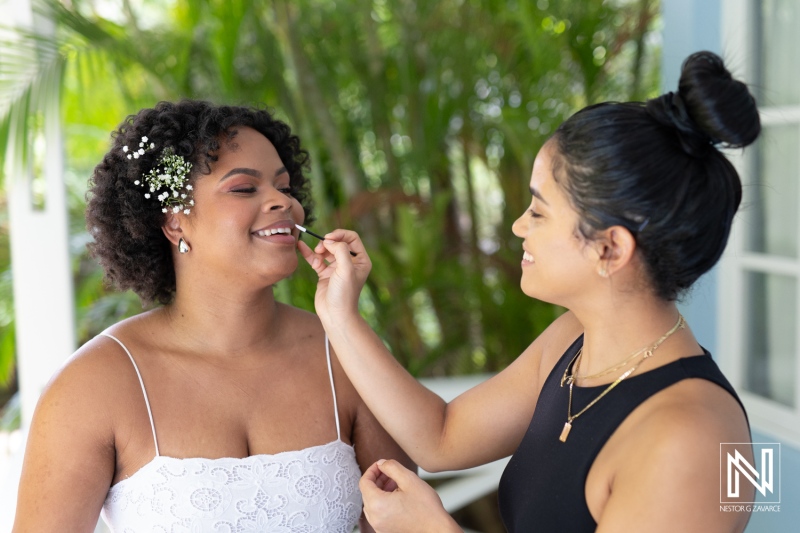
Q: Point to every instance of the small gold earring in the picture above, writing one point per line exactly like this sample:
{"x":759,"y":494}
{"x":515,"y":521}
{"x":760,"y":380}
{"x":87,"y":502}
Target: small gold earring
{"x":183,"y":247}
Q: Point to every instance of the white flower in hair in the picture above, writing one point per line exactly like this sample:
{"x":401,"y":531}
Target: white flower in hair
{"x":169,"y":176}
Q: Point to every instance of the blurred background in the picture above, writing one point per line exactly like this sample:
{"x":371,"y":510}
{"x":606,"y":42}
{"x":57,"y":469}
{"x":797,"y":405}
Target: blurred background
{"x":422,"y":119}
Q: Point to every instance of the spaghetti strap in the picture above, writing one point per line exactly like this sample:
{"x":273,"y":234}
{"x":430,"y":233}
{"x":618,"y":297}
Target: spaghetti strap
{"x":144,"y":392}
{"x":333,"y":388}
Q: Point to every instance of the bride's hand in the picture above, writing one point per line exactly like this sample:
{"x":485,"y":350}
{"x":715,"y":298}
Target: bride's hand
{"x":341,"y":276}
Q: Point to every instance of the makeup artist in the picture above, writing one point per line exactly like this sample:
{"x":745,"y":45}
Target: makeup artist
{"x":220,"y":409}
{"x":615,"y":414}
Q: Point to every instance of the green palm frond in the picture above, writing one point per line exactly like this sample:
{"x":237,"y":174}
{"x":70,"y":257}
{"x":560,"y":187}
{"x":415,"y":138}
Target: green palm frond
{"x":31,"y":68}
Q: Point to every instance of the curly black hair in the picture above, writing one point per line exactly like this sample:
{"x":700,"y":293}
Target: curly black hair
{"x":126,"y":227}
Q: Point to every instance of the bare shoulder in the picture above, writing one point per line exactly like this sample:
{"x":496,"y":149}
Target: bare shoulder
{"x":97,"y":373}
{"x":71,"y":450}
{"x":672,"y":461}
{"x":90,"y":374}
{"x":295,"y":313}
{"x":694,"y":409}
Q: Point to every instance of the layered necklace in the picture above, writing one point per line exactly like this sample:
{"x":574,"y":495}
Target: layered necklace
{"x":570,"y":376}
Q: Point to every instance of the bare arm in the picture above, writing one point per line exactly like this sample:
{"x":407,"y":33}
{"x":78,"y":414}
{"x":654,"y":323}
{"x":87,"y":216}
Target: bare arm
{"x":672,"y":471}
{"x":481,"y":425}
{"x":69,"y":458}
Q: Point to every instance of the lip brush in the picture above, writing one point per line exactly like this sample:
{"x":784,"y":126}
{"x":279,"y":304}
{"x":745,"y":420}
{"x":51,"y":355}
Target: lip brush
{"x":320,"y":237}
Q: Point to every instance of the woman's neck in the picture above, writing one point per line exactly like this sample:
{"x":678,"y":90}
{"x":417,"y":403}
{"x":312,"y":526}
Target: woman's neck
{"x":613,"y":333}
{"x":224,"y":321}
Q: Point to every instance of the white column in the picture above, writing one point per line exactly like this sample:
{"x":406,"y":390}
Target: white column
{"x":43,"y":295}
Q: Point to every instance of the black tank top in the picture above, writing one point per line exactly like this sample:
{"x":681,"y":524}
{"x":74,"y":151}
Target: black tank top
{"x":543,"y":485}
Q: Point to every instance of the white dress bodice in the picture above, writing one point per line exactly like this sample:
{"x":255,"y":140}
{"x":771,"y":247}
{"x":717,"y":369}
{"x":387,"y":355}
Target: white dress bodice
{"x":299,"y":491}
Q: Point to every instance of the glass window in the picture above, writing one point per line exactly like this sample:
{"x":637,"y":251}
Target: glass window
{"x":770,"y":196}
{"x":780,"y":77}
{"x":771,"y":319}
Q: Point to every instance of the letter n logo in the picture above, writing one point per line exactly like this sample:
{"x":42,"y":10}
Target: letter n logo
{"x":735,"y":470}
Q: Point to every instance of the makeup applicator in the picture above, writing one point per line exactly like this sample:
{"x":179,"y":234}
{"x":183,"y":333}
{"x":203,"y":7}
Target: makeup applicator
{"x":320,"y":237}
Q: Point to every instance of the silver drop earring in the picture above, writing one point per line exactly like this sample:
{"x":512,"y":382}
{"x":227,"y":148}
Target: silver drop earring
{"x":182,"y":246}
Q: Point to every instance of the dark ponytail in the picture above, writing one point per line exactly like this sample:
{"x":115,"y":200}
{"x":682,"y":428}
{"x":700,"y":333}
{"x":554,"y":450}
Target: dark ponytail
{"x":655,"y":168}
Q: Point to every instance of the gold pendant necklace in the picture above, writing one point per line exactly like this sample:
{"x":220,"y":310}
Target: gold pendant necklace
{"x":570,"y":379}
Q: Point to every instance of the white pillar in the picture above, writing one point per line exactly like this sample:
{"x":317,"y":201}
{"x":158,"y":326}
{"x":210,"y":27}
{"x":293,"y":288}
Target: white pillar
{"x":43,"y":295}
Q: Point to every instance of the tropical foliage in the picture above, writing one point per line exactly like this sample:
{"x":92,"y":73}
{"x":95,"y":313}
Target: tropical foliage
{"x":422,"y":119}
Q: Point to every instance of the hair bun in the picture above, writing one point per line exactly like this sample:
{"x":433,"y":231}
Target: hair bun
{"x":721,"y":106}
{"x":710,"y":107}
{"x":670,"y":110}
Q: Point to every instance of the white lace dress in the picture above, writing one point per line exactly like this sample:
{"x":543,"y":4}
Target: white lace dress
{"x":301,"y":491}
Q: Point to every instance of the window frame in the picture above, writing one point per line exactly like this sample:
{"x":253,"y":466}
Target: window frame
{"x":742,"y":50}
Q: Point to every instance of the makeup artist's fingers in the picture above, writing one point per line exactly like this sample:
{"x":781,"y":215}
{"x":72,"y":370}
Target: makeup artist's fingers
{"x":350,"y":237}
{"x":341,"y":253}
{"x":313,"y":259}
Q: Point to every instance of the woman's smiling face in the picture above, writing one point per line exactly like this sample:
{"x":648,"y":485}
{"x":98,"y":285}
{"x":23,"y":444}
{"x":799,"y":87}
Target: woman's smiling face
{"x":243,"y":220}
{"x":557,"y":262}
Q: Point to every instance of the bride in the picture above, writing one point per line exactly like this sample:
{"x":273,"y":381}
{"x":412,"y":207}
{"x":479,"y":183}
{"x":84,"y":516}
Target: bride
{"x":221,"y":409}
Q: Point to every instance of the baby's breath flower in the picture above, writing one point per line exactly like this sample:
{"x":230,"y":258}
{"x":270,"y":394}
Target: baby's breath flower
{"x":169,"y":176}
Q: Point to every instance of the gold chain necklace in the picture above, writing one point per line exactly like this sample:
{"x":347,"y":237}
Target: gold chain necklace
{"x":609,"y":370}
{"x":680,"y":324}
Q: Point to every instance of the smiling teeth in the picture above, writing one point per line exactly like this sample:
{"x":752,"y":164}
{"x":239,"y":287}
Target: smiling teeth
{"x":527,"y":257}
{"x":273,"y":231}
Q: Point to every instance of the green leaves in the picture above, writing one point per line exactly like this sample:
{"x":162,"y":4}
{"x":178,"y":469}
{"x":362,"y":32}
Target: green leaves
{"x":422,"y":120}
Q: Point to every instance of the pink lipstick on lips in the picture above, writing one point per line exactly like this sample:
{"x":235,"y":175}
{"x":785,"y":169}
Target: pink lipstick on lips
{"x":280,"y":232}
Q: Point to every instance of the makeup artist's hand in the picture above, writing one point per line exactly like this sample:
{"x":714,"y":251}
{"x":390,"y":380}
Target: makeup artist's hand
{"x":341,"y":276}
{"x":397,"y":501}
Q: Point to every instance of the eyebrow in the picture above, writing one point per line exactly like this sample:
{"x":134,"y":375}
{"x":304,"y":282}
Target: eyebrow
{"x":250,"y":172}
{"x":537,"y":194}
